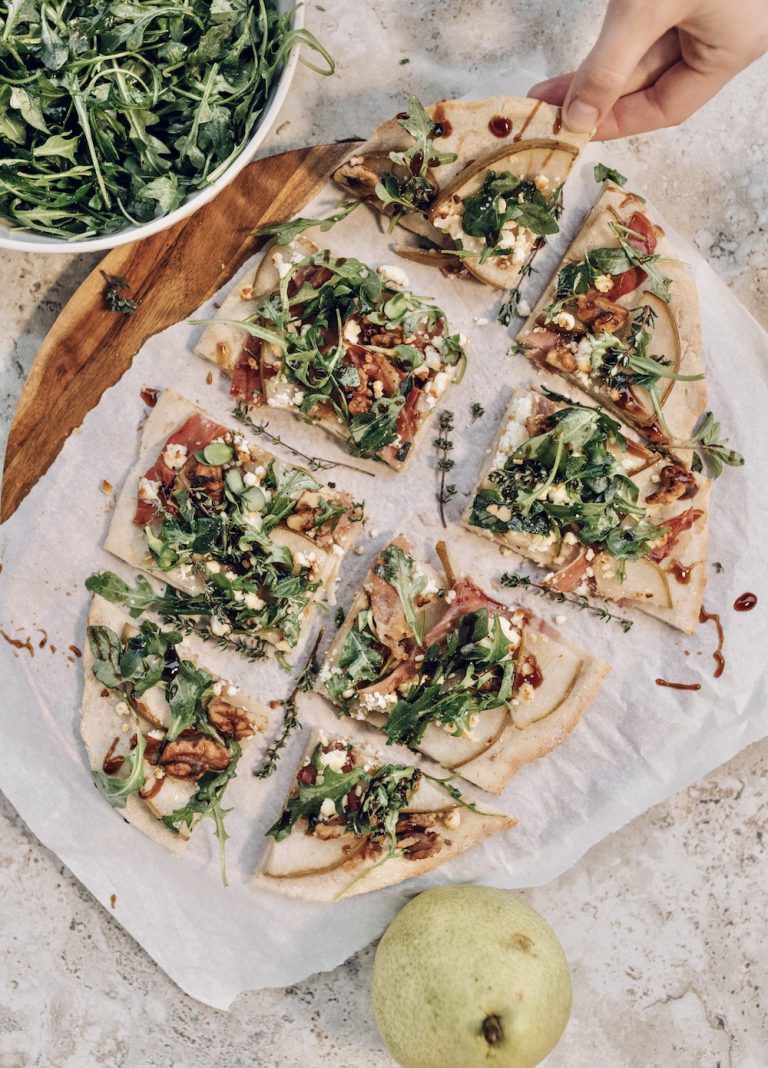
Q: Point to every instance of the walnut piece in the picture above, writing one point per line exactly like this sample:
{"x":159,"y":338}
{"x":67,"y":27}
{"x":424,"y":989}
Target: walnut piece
{"x":229,"y":720}
{"x":193,"y":757}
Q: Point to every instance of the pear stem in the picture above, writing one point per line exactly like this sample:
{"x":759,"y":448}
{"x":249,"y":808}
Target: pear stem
{"x":492,"y":1030}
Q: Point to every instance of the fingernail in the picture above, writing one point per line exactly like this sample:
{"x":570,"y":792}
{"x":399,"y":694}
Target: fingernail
{"x":539,"y":87}
{"x":580,"y":116}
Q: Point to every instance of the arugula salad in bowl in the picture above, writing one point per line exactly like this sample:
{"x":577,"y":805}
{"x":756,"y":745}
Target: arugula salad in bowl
{"x":118,"y":118}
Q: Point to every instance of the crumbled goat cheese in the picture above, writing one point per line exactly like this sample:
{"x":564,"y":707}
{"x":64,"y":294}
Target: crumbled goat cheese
{"x":394,"y":277}
{"x":148,"y":489}
{"x":175,"y":455}
{"x":564,"y":320}
{"x":328,"y":807}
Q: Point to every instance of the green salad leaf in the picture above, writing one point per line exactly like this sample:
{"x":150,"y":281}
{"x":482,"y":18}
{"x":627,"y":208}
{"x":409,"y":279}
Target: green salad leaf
{"x":114,"y":112}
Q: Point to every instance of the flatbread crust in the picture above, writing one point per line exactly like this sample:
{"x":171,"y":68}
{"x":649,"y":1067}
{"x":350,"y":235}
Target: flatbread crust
{"x":468,"y":133}
{"x":126,"y":540}
{"x":100,"y":722}
{"x":503,"y":745}
{"x":367,"y":875}
{"x":686,"y":401}
{"x":685,"y":598}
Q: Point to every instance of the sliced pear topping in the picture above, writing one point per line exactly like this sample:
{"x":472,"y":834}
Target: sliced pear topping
{"x":645,"y":583}
{"x":307,"y":854}
{"x":558,"y":667}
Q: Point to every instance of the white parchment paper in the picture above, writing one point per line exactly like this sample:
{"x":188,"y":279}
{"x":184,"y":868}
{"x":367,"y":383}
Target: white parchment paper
{"x":637,"y":744}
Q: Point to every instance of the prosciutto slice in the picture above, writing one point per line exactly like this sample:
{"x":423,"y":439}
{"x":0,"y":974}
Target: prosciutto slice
{"x":194,"y":434}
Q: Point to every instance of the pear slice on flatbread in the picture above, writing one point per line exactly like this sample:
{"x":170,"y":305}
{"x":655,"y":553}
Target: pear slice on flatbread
{"x":319,"y":853}
{"x":176,"y":421}
{"x":501,"y":134}
{"x":563,"y":347}
{"x":543,"y":162}
{"x":470,"y":129}
{"x":549,"y":682}
{"x":668,"y":582}
{"x":107,"y":729}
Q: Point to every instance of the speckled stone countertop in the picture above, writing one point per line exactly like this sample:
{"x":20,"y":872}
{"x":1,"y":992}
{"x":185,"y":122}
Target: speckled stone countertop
{"x":663,"y":922}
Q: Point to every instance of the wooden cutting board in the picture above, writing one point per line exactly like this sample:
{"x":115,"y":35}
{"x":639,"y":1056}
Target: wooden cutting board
{"x":89,"y":347}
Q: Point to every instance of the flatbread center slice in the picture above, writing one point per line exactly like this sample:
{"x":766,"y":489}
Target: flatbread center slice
{"x":348,"y":347}
{"x":440,"y":666}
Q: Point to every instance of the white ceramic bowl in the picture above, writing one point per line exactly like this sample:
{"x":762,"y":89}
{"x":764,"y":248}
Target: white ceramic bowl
{"x":28,"y":241}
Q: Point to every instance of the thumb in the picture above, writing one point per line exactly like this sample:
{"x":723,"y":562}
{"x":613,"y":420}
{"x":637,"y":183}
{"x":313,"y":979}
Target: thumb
{"x":630,"y":28}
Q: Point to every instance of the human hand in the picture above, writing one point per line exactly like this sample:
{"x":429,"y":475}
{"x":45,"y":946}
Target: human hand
{"x":657,"y":62}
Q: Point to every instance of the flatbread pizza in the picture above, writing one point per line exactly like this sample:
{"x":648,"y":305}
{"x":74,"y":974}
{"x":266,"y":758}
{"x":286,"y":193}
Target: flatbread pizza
{"x":355,"y":821}
{"x":251,"y":542}
{"x":620,"y":319}
{"x":163,"y":734}
{"x":339,"y":344}
{"x":566,"y":487}
{"x":481,"y":180}
{"x":438,"y":665}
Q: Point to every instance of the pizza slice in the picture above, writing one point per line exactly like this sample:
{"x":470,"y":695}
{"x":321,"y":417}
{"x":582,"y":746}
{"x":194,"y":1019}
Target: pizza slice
{"x":620,"y":319}
{"x":355,"y":822}
{"x":601,"y":513}
{"x":481,"y":180}
{"x":339,"y":344}
{"x":252,"y":542}
{"x":163,"y":734}
{"x":438,"y":665}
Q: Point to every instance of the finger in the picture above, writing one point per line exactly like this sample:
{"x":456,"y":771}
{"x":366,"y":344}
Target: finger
{"x":661,"y":55}
{"x":674,"y":97}
{"x":553,"y":90}
{"x":630,"y":29}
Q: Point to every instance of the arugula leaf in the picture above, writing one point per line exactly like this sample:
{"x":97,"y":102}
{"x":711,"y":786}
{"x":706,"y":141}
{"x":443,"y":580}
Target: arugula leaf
{"x":286,"y":232}
{"x":504,"y":198}
{"x":185,"y":692}
{"x":114,"y":294}
{"x":398,"y":569}
{"x":708,"y":446}
{"x":112,"y":588}
{"x":208,"y":802}
{"x":118,"y":788}
{"x":306,"y":803}
{"x":412,"y":190}
{"x":604,"y":173}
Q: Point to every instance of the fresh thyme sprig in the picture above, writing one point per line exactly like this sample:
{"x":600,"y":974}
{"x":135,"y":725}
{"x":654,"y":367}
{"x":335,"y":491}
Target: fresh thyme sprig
{"x":314,"y":463}
{"x":445,"y":463}
{"x":252,"y":649}
{"x":291,"y":722}
{"x":115,"y":288}
{"x":477,"y":411}
{"x":514,"y":580}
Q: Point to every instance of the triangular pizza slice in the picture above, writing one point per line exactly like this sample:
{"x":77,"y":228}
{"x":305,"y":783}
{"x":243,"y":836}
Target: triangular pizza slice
{"x":356,"y":821}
